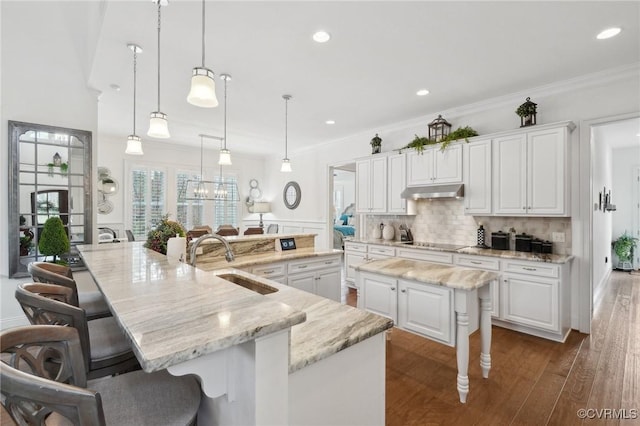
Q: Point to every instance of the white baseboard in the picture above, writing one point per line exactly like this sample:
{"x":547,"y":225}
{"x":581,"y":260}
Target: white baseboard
{"x":597,"y":289}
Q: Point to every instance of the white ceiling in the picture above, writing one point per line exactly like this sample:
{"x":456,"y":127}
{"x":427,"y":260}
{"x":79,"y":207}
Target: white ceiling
{"x":364,"y":78}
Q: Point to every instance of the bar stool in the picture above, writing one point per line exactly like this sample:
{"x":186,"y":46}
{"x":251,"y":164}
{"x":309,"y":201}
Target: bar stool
{"x":91,"y":301}
{"x":42,"y":379}
{"x":106,"y":349}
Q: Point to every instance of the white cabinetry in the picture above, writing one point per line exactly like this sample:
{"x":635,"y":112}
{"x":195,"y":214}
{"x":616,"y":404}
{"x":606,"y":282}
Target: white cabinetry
{"x":317,"y":276}
{"x":432,"y":166}
{"x":273,"y":271}
{"x":396,"y":183}
{"x":426,"y":255}
{"x":530,"y":173}
{"x":477,"y":177}
{"x":426,"y":310}
{"x":354,"y":255}
{"x":487,"y":264}
{"x":371,"y":185}
{"x":535,"y":298}
{"x":379,"y":296}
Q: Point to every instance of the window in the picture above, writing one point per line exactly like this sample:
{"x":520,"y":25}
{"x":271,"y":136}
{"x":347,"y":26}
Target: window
{"x":226,"y":212}
{"x":189,"y":212}
{"x":148,"y":199}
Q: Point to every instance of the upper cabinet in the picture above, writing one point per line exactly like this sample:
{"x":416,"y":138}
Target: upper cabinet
{"x":530,"y":173}
{"x":433,"y":166}
{"x":380,"y":179}
{"x":371,"y":185}
{"x":477,"y":177}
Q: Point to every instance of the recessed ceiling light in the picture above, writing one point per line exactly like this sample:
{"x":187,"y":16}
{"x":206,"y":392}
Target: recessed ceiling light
{"x":422,"y":92}
{"x":321,"y":37}
{"x":330,"y":122}
{"x":608,"y":33}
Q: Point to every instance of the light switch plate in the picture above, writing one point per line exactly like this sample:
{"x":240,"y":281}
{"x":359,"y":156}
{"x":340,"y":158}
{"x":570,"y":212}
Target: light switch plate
{"x":557,"y":237}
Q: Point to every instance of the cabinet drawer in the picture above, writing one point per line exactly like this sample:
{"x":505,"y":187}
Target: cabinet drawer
{"x":426,"y":255}
{"x":268,"y":271}
{"x":383,"y":250}
{"x":539,"y":269}
{"x":313,"y":265}
{"x":488,"y":264}
{"x":360,"y":247}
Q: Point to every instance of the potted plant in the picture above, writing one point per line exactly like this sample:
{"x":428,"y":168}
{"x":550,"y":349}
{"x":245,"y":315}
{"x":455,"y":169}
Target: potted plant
{"x":54,"y":240}
{"x":527,"y":113}
{"x":376,"y":144}
{"x":26,"y":244}
{"x":157,"y":238}
{"x":623,"y":247}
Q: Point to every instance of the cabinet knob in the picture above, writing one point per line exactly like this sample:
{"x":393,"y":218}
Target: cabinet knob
{"x":524,"y":208}
{"x":403,"y":290}
{"x":393,"y":289}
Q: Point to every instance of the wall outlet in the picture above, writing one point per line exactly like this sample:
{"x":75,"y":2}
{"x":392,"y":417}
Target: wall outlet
{"x":557,"y":237}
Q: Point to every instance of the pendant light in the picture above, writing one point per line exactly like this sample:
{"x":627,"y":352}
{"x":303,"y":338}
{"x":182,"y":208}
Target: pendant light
{"x":134,"y":143}
{"x":286,"y":163}
{"x":225,"y":154}
{"x":158,"y":124}
{"x":203,"y":87}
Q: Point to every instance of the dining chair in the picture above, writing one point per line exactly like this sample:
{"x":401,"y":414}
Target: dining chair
{"x":130,"y":236}
{"x":106,"y":349}
{"x":43,"y":381}
{"x":254,"y":231}
{"x":272,"y":228}
{"x":227,"y":230}
{"x":92,"y":302}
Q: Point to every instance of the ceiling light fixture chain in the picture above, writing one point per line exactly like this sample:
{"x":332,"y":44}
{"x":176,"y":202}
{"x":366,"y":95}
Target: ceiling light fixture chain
{"x":158,"y":123}
{"x":134,"y":143}
{"x":159,"y":20}
{"x":203,"y":86}
{"x":203,"y":22}
{"x":286,"y":163}
{"x":225,"y":154}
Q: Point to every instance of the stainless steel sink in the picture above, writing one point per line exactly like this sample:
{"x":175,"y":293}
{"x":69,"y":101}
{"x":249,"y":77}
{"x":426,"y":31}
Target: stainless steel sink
{"x":248,"y":283}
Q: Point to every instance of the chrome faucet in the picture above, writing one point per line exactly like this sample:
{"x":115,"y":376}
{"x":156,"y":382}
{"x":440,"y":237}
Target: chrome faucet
{"x":194,"y":247}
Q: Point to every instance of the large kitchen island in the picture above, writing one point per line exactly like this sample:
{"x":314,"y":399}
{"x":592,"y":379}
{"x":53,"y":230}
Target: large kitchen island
{"x":265,"y":353}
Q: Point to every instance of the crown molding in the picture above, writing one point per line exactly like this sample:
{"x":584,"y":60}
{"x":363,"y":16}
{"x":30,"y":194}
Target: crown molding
{"x":556,"y":88}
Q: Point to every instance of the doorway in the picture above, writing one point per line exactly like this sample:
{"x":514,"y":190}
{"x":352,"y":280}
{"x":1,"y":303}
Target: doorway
{"x":342,"y":220}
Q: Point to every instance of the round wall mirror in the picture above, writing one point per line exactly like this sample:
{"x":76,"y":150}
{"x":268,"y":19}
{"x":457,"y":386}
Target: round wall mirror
{"x":292,"y":195}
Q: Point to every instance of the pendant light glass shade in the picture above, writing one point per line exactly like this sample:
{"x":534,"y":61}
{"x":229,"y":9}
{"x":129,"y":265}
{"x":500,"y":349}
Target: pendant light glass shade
{"x":158,"y":126}
{"x":158,"y":123}
{"x":203,"y":88}
{"x":286,"y":163}
{"x":134,"y":145}
{"x":225,"y":157}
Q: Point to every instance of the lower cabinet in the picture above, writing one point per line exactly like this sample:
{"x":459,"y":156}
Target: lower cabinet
{"x":417,"y":307}
{"x":321,"y":276}
{"x":426,"y":310}
{"x":531,"y":301}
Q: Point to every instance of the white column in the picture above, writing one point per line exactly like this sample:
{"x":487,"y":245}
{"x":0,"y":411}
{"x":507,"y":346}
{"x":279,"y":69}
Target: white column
{"x":485,"y":329}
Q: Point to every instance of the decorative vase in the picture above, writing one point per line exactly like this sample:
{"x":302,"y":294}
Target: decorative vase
{"x":376,"y":234}
{"x":388,"y":232}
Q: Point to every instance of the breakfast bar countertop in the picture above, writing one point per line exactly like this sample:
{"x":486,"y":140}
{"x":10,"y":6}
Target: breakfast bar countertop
{"x":430,"y":273}
{"x":247,"y":260}
{"x":174,"y":312}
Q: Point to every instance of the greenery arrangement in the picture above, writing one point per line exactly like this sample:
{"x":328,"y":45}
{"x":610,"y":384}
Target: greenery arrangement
{"x":527,"y":108}
{"x":64,"y":168}
{"x":26,"y":244}
{"x":623,"y":247}
{"x":157,"y":238}
{"x":419,"y":142}
{"x":54,"y":240}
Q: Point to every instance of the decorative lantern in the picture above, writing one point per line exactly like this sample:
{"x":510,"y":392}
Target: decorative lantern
{"x":527,"y":113}
{"x":439,"y":129}
{"x":57,"y":160}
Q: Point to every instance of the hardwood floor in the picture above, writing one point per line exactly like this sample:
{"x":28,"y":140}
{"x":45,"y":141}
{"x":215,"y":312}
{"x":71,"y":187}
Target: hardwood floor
{"x":533,"y":381}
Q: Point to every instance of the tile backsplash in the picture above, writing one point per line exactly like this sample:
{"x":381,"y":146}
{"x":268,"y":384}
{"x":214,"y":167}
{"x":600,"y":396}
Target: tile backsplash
{"x":444,"y":221}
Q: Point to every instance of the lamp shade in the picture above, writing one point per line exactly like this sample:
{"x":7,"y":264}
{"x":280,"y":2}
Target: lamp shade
{"x":158,"y":126}
{"x":286,"y":165}
{"x":225,"y":157}
{"x":261,"y":207}
{"x":203,"y":88}
{"x":134,"y":145}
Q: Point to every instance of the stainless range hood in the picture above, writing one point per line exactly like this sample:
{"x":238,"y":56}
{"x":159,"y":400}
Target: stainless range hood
{"x":433,"y":191}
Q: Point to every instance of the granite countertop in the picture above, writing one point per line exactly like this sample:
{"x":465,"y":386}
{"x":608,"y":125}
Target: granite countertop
{"x":247,"y":260}
{"x":174,"y":312}
{"x":431,"y":273}
{"x":330,"y":326}
{"x":505,"y":254}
